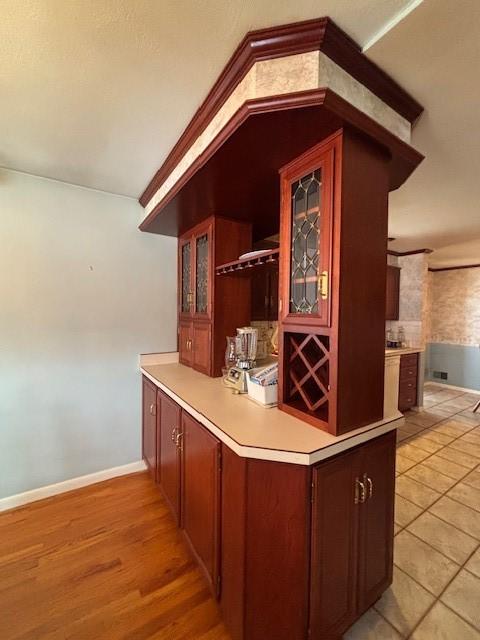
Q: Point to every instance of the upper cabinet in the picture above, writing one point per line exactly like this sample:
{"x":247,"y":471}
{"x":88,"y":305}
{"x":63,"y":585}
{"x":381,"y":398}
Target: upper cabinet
{"x":195,"y":272}
{"x":210,"y":308}
{"x":392,"y":308}
{"x":333,"y":227}
{"x":306,"y":190}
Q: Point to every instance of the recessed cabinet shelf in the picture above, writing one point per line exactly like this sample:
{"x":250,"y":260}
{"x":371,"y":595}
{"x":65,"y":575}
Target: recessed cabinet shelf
{"x":247,"y":263}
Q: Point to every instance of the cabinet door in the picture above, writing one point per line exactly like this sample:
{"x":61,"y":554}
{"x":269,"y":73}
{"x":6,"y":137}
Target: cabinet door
{"x":375,"y":555}
{"x":185,"y":277}
{"x":306,"y":211}
{"x":334,"y":546}
{"x":149,"y":426}
{"x":393,"y":293}
{"x":273,"y":294}
{"x":202,"y":243}
{"x":185,"y":342}
{"x":170,"y":458}
{"x":259,"y":294}
{"x":201,"y":495}
{"x":202,"y":332}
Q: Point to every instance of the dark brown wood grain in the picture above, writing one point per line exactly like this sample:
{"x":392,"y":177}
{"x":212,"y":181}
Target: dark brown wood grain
{"x":392,"y":307}
{"x":407,"y":387}
{"x":149,"y":426}
{"x":201,"y":490}
{"x":333,"y":579}
{"x":233,"y":546}
{"x":170,"y":460}
{"x":278,"y":520}
{"x":235,"y":175}
{"x":375,"y":552}
{"x":319,"y":34}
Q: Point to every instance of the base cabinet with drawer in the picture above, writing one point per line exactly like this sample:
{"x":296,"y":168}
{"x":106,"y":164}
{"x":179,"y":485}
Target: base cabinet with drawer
{"x":407,"y":390}
{"x":289,"y":551}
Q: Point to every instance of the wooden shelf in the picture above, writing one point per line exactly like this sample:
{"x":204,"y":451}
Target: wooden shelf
{"x":236,"y":266}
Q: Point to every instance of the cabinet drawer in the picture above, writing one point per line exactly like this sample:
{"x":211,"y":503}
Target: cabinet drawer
{"x":408,"y":373}
{"x":407,"y":400}
{"x":408,"y":386}
{"x":408,"y":360}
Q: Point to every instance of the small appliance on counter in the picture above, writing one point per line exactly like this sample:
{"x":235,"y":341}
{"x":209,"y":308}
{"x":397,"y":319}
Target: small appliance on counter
{"x":245,"y":354}
{"x":262,"y":384}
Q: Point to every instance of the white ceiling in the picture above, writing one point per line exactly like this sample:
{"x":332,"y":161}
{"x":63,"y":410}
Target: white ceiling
{"x":96,"y":92}
{"x":435,"y":54}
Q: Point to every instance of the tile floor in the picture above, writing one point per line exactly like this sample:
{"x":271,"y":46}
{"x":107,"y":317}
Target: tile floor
{"x":435,"y":593}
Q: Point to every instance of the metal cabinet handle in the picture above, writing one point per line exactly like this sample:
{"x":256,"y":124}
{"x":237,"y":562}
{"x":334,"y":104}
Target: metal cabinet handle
{"x":323,"y":285}
{"x":360,"y":491}
{"x":174,"y":430}
{"x":152,"y":409}
{"x":369,"y":483}
{"x":178,"y":440}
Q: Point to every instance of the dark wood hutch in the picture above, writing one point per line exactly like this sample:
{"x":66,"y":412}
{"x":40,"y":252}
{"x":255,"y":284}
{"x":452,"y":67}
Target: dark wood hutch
{"x":316,"y":168}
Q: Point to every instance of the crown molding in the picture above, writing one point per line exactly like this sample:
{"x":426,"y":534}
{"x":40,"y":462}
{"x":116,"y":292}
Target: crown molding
{"x":461,"y":266}
{"x":321,"y":34}
{"x":400,"y":254}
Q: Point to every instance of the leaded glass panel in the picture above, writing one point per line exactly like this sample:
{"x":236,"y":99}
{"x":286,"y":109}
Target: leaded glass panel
{"x":186,"y":272}
{"x":305,"y":253}
{"x":201,"y":285}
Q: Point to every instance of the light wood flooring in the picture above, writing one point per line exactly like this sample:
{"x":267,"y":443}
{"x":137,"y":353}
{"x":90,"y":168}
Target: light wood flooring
{"x":103,"y":562}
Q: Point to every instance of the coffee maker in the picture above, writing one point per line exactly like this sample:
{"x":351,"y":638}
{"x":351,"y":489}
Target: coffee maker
{"x":245,"y":354}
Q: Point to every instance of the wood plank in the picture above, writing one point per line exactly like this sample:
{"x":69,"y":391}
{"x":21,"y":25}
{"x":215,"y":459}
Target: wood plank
{"x":103,"y":562}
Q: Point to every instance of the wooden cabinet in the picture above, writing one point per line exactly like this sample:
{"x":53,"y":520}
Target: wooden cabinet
{"x":185,"y":342}
{"x":264,"y":294}
{"x":393,"y":293}
{"x":333,"y":283}
{"x":290,"y":551}
{"x":352,"y":535}
{"x":334,"y":546}
{"x":210,"y":309}
{"x":149,"y":426}
{"x":201,"y":456}
{"x":189,"y":475}
{"x":407,"y":390}
{"x":170,"y":434}
{"x":201,"y":340}
{"x":375,"y":547}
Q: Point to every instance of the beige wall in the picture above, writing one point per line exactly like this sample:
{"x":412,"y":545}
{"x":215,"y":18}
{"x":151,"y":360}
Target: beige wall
{"x":413,"y":297}
{"x":455,"y":307}
{"x":82,"y":293}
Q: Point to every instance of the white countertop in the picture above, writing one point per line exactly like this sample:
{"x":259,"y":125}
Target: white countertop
{"x":403,"y":351}
{"x":248,"y":429}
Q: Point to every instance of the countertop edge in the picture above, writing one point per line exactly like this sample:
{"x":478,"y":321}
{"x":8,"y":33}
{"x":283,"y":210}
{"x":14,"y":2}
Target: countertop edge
{"x":276,"y":455}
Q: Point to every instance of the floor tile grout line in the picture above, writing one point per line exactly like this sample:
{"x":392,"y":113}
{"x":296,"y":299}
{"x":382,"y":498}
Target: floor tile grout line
{"x":460,"y":567}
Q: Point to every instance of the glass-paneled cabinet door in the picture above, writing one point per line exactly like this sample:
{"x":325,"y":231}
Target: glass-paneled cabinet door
{"x":185,"y":277}
{"x":202,"y":275}
{"x":306,"y":241}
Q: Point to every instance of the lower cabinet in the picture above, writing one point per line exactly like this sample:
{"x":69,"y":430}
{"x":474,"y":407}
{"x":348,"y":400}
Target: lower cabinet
{"x":201,"y":459}
{"x":407,"y":388}
{"x":290,"y":551}
{"x":169,"y":458}
{"x":352,"y":534}
{"x":149,"y":426}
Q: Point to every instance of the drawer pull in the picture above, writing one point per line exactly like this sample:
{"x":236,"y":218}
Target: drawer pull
{"x":174,"y":432}
{"x":360,"y":492}
{"x":369,"y":482}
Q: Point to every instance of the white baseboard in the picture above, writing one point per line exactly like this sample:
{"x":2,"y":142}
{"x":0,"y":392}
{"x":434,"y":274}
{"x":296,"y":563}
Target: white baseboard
{"x":68,"y":485}
{"x":445,"y":385}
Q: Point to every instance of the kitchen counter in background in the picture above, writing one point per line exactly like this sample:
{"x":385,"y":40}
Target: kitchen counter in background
{"x":255,"y":432}
{"x":403,"y":351}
